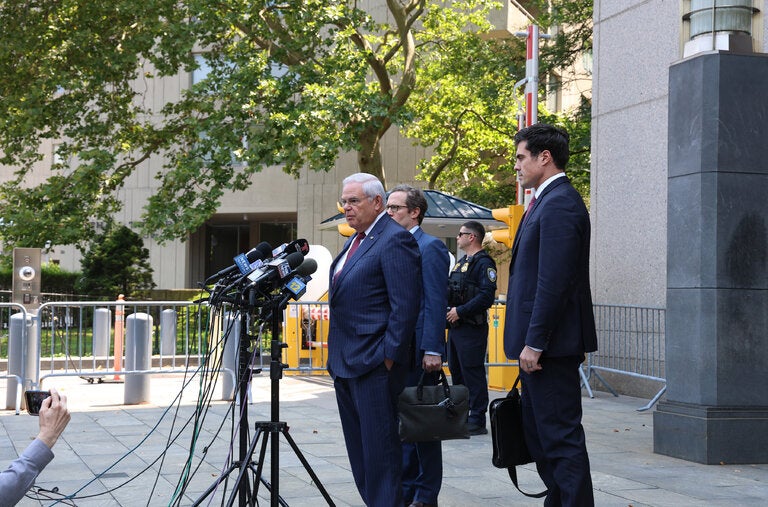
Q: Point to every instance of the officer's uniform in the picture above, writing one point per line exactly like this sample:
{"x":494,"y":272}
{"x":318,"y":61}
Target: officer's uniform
{"x":472,"y":290}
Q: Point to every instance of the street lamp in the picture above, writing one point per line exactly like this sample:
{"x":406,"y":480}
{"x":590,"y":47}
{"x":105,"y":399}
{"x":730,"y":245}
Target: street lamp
{"x":718,"y":25}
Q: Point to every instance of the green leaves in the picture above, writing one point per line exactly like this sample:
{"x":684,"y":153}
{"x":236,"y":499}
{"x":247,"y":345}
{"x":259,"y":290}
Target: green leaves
{"x":91,"y":89}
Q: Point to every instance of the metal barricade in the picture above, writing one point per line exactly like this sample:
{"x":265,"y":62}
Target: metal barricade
{"x":630,"y":342}
{"x":65,"y":338}
{"x":305,"y":331}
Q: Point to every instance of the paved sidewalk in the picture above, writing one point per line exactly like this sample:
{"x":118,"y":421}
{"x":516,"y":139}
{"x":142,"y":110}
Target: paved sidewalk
{"x":118,"y":442}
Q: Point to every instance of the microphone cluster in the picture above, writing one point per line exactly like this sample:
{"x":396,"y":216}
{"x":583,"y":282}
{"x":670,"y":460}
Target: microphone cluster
{"x":263,"y":270}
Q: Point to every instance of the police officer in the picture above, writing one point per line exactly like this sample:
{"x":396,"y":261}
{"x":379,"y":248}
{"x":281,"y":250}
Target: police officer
{"x":471,"y":291}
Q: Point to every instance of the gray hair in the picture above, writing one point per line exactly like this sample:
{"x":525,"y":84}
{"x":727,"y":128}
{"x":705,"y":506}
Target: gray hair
{"x":371,"y":185}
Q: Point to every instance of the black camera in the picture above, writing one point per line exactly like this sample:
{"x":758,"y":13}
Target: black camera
{"x":35,"y":400}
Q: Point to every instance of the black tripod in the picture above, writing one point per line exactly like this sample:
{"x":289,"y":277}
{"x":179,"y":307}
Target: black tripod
{"x":244,"y":490}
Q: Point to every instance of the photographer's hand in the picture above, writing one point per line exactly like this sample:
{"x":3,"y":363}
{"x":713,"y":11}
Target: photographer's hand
{"x":54,"y":417}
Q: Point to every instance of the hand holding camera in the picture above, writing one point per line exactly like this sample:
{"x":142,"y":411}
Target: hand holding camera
{"x":51,"y":407}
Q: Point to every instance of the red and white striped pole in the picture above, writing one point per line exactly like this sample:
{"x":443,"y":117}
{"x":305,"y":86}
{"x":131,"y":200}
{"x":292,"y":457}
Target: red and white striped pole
{"x":532,"y":75}
{"x":531,"y":93}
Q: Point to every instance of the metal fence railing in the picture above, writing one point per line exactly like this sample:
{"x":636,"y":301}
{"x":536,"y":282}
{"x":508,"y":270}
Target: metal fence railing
{"x":65,"y":331}
{"x":631,"y":342}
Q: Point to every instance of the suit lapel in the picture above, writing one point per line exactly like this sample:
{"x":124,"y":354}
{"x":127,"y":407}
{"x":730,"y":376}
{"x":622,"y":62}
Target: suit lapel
{"x":539,"y":200}
{"x":367,"y":244}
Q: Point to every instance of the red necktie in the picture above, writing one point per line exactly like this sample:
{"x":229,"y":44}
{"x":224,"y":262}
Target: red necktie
{"x":528,"y":209}
{"x":350,"y":253}
{"x":355,"y":244}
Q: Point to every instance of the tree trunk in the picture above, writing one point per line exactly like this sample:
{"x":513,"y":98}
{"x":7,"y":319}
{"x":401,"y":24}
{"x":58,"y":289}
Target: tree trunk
{"x":369,"y":154}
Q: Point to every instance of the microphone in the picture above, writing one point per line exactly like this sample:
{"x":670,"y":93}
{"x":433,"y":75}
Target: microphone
{"x":306,"y":268}
{"x":276,"y":268}
{"x":243,"y":261}
{"x":297,"y":286}
{"x":298,"y":245}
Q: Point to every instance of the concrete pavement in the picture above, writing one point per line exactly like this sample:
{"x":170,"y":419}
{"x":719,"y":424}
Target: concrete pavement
{"x":117,"y":455}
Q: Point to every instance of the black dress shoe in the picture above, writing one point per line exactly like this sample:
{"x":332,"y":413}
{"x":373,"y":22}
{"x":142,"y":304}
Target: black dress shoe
{"x":421,"y":504}
{"x":476,"y":429}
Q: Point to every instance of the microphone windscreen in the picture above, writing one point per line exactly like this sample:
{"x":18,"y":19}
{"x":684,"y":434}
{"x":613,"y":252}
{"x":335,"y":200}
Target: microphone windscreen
{"x":265,"y":249}
{"x":294,"y":259}
{"x":307,"y":267}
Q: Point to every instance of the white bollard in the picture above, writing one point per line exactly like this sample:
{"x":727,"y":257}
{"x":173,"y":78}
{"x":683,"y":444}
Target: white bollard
{"x":23,"y":358}
{"x":167,"y":333}
{"x":102,"y":325}
{"x":138,"y":356}
{"x":230,"y":356}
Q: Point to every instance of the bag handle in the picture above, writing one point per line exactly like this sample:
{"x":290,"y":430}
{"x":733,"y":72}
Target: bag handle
{"x":442,"y":380}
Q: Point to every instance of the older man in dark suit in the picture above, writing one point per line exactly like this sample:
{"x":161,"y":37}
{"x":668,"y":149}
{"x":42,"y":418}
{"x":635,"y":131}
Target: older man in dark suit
{"x":549,"y":322}
{"x":423,"y":461}
{"x":374,"y":303}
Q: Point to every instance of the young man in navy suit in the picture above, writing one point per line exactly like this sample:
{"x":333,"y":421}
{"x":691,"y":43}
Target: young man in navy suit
{"x":374,"y":299}
{"x":549,"y":321}
{"x":423,"y":461}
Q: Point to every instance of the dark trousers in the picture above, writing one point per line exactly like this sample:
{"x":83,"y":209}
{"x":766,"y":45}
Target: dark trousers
{"x":368,"y":412}
{"x":467,"y":346}
{"x":422,"y":461}
{"x":551,"y":400}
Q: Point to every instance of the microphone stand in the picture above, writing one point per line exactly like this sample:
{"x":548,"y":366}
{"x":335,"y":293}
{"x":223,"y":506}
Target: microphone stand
{"x":244,"y":373}
{"x":274,"y":427}
{"x":264,"y":429}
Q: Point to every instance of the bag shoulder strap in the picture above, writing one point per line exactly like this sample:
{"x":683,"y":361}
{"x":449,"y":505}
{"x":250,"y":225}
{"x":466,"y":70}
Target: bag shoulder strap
{"x":513,"y":475}
{"x":513,"y":393}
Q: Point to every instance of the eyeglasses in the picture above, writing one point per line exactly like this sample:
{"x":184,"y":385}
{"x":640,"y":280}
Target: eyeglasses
{"x":394,"y":208}
{"x":460,"y":234}
{"x":352,"y":201}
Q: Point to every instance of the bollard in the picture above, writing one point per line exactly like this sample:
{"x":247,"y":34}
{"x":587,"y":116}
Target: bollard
{"x":119,"y":333}
{"x":138,"y":356}
{"x":15,"y":356}
{"x":230,"y":355}
{"x":23,"y":357}
{"x":102,"y":323}
{"x":167,"y":334}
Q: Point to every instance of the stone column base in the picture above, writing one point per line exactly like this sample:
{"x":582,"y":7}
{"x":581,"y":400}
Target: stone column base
{"x":711,"y":435}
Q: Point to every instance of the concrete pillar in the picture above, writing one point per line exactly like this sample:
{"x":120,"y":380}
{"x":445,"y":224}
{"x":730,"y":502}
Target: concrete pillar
{"x":230,"y":355}
{"x":716,"y":407}
{"x":102,"y":325}
{"x":168,"y":333}
{"x":138,"y":356}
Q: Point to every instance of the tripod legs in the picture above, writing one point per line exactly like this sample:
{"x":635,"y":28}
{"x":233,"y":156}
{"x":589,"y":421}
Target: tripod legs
{"x":275,"y":429}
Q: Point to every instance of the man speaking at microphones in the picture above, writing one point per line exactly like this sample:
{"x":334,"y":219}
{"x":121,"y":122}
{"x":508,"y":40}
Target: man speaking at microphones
{"x":374,"y":299}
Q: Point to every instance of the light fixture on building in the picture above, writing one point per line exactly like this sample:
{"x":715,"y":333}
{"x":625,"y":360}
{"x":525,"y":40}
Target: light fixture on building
{"x":718,"y":25}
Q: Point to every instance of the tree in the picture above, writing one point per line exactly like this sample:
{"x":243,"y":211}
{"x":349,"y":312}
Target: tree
{"x":468,"y":104}
{"x":290,"y":83}
{"x":116,"y":263}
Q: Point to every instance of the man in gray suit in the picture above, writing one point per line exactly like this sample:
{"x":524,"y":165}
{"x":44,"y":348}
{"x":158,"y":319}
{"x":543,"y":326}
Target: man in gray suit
{"x":374,"y":299}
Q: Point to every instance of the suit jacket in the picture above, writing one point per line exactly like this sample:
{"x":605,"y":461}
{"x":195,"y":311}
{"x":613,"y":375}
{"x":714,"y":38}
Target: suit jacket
{"x":435,"y":264}
{"x":549,"y":303}
{"x":374,"y":302}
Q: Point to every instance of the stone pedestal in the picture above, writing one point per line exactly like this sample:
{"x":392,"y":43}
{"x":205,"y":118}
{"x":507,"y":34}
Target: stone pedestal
{"x":716,"y":408}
